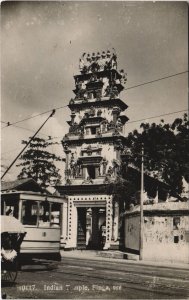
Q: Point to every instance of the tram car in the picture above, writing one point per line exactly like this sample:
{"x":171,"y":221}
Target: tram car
{"x":41,"y":216}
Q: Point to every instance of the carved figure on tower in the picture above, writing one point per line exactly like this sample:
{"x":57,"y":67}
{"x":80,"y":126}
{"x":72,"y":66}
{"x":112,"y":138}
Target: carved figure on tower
{"x":114,"y":92}
{"x":119,"y":124}
{"x":123,"y":79}
{"x":73,"y":166}
{"x":127,"y":151}
{"x":108,"y":60}
{"x":114,"y":61}
{"x":65,"y":146}
{"x":99,"y":112}
{"x":98,"y":57}
{"x":92,"y":111}
{"x":103,"y":166}
{"x":78,"y":170}
{"x":104,"y":126}
{"x":82,"y":62}
{"x":89,"y":150}
{"x":102,"y":61}
{"x":81,"y":89}
{"x":110,"y":171}
{"x":88,"y":63}
{"x":105,"y":85}
{"x":94,"y":65}
{"x":116,"y":166}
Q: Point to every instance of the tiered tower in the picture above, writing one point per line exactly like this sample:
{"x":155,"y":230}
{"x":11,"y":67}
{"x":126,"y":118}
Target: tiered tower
{"x":92,"y":149}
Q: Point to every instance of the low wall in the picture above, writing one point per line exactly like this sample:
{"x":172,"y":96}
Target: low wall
{"x":132,"y":229}
{"x":166,"y":237}
{"x":166,"y":232}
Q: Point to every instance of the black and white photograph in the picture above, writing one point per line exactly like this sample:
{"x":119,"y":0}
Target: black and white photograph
{"x":94,"y":150}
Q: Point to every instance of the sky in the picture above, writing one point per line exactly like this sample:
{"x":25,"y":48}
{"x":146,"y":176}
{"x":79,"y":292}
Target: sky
{"x":41,"y":46}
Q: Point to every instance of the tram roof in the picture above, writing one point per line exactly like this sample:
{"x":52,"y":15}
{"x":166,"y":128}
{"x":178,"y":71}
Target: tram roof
{"x":27,"y":187}
{"x":29,"y":195}
{"x":26,"y":184}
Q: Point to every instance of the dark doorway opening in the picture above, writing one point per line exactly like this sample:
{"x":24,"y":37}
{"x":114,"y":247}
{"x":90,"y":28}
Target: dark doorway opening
{"x":91,"y":230}
{"x":93,"y":130}
{"x":81,"y":228}
{"x":92,"y":172}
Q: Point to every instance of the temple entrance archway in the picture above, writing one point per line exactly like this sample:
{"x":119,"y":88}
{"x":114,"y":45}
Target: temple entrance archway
{"x":92,"y":224}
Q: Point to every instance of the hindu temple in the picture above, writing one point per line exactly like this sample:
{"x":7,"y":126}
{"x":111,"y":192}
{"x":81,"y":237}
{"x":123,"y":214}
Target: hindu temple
{"x":92,"y":149}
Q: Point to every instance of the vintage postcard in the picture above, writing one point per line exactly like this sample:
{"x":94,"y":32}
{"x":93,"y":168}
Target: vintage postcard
{"x":94,"y":150}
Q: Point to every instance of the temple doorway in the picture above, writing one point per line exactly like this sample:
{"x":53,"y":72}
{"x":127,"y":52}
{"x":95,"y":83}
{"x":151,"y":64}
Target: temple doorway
{"x":91,"y":229}
{"x":81,"y":228}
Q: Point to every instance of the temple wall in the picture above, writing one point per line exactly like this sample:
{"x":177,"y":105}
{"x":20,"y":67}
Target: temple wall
{"x":132,"y":228}
{"x":166,"y":234}
{"x":163,"y":240}
{"x":108,"y":152}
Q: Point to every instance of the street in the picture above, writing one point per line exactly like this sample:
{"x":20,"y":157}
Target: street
{"x":75,"y":278}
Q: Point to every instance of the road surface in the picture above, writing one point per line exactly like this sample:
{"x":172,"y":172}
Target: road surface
{"x":75,"y":278}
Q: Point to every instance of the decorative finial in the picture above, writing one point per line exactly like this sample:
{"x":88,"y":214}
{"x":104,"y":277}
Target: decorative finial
{"x":88,"y":56}
{"x":103,"y":54}
{"x":98,"y":55}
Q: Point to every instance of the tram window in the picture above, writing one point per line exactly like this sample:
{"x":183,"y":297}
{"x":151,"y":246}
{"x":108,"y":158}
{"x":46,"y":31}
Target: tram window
{"x":29,"y":212}
{"x":44,"y":217}
{"x":11,"y":208}
{"x":55,"y":214}
{"x":9,"y":211}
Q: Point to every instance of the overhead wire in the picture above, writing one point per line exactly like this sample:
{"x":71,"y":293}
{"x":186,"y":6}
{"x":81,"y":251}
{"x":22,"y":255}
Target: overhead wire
{"x":135,"y":86}
{"x":139,"y":120}
{"x":20,"y":127}
{"x":134,"y":121}
{"x":28,"y":143}
{"x":161,"y":78}
{"x":52,"y":138}
{"x":37,"y":115}
{"x":153,"y":117}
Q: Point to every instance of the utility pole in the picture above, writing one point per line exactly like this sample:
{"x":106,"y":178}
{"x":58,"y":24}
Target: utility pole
{"x":53,"y":112}
{"x":141,"y":205}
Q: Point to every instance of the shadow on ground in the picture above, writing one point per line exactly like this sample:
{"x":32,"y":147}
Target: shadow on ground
{"x":39,"y":265}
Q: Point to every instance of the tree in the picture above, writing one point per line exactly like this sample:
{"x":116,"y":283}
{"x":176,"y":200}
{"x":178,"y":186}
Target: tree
{"x":38,"y":163}
{"x":123,"y":191}
{"x":166,"y":150}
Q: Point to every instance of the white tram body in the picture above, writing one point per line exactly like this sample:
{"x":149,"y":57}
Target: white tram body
{"x":41,"y":216}
{"x":41,"y":240}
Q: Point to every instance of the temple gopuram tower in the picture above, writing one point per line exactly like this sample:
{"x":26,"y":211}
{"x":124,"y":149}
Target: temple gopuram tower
{"x":92,"y":148}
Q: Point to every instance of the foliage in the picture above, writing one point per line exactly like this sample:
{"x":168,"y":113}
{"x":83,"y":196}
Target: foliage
{"x":165,"y":150}
{"x":38,"y":163}
{"x":123,"y":191}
